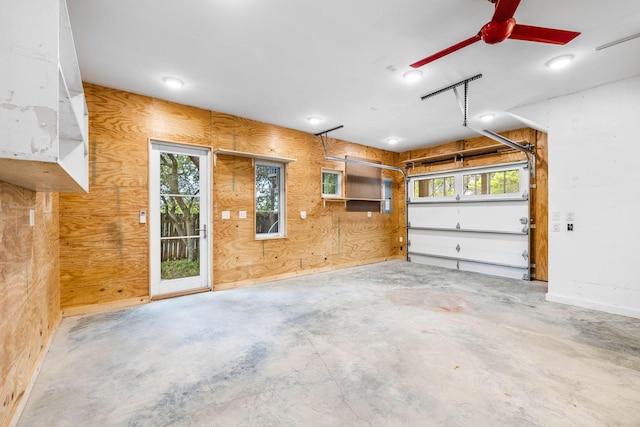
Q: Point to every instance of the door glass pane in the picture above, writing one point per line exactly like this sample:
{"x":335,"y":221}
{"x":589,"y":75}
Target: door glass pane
{"x":180,"y":258}
{"x":179,"y":174}
{"x":179,"y":216}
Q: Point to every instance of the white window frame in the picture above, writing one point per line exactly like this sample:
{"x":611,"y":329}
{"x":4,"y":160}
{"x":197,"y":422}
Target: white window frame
{"x":523,"y":191}
{"x":339,"y":183}
{"x":523,"y":181}
{"x":281,"y":233}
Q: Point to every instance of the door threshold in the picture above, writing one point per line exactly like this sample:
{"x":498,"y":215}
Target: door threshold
{"x":180,"y":294}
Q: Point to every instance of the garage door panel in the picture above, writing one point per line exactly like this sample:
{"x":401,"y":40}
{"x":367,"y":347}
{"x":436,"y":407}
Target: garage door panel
{"x":504,"y":216}
{"x":438,"y":262}
{"x":487,"y":248}
{"x":487,"y":233}
{"x":494,"y":270}
{"x":500,"y":249}
{"x":432,"y":242}
{"x":480,"y":216}
{"x":432,"y":215}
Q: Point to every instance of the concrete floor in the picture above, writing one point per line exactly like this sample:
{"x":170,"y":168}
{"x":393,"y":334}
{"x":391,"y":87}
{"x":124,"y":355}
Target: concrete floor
{"x":391,"y":344}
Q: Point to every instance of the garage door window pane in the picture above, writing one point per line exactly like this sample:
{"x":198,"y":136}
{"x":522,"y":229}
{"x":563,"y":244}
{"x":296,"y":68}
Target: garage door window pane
{"x":434,"y":187}
{"x":474,"y":184}
{"x":505,"y":182}
{"x":502,"y":182}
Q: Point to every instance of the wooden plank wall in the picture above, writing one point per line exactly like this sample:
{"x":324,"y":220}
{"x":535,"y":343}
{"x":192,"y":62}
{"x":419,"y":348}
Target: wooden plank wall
{"x":29,"y":294}
{"x":104,"y":251}
{"x":539,"y":198}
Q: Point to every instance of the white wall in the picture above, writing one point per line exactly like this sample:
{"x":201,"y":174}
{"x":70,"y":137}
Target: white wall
{"x":594,"y":173}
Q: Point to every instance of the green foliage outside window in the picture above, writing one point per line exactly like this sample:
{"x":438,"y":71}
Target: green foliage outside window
{"x":434,"y":187}
{"x":502,"y":182}
{"x":331,"y":183}
{"x":268,"y":179}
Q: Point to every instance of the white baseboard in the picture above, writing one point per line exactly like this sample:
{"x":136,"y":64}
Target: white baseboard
{"x":613,"y":309}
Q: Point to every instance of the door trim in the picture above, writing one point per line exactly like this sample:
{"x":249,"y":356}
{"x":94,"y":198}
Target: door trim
{"x":206,"y":187}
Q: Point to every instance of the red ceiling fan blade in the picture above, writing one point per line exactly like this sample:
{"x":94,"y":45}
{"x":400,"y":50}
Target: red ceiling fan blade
{"x":505,"y":9}
{"x":446,"y":51}
{"x":542,"y":35}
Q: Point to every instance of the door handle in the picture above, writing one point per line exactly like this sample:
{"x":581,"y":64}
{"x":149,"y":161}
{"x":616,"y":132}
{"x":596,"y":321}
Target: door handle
{"x":204,"y":230}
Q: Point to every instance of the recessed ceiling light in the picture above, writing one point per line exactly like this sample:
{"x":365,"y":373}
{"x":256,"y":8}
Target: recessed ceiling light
{"x":173,"y":82}
{"x":392,"y":141}
{"x":412,"y":76}
{"x":487,"y":117}
{"x":559,"y":62}
{"x":314,"y":120}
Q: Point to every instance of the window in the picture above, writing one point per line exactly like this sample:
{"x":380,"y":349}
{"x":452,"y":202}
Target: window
{"x":501,"y":182}
{"x":504,"y":182}
{"x":434,"y":187}
{"x":270,"y":200}
{"x":331,"y":183}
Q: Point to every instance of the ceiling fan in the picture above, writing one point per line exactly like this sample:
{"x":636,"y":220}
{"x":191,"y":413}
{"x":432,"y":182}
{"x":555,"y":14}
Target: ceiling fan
{"x":501,"y":27}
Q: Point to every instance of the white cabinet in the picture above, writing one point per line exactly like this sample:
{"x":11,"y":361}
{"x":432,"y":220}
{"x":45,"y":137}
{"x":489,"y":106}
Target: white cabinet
{"x":43,"y":114}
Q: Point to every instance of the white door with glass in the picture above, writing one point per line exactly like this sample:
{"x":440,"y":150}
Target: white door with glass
{"x":180,"y":218}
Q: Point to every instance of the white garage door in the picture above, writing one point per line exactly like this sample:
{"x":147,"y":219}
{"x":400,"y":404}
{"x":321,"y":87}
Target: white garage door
{"x":472,"y":219}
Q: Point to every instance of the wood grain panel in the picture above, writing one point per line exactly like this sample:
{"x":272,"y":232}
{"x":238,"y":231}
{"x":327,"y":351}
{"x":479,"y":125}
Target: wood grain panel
{"x":540,"y":214}
{"x":526,"y":135}
{"x":29,"y":295}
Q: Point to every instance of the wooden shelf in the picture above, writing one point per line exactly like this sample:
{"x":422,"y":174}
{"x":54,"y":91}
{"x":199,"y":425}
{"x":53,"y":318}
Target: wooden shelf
{"x":461,"y":153}
{"x":346,"y":199}
{"x":252,"y":156}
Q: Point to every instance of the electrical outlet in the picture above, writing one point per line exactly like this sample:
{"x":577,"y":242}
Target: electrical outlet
{"x":556,"y":227}
{"x":369,"y":214}
{"x":401,"y":239}
{"x":569,"y":227}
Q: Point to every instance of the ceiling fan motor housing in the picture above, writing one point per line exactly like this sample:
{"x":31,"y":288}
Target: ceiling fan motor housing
{"x":497,"y":31}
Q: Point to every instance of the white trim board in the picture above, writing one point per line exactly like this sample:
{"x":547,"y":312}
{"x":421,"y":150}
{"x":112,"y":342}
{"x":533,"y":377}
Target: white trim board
{"x":613,"y":309}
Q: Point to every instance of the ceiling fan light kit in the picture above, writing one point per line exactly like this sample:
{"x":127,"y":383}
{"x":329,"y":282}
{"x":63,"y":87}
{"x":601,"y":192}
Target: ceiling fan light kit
{"x":503,"y":26}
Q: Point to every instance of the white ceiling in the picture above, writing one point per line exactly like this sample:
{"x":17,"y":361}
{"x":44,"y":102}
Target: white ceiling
{"x":282,"y":61}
